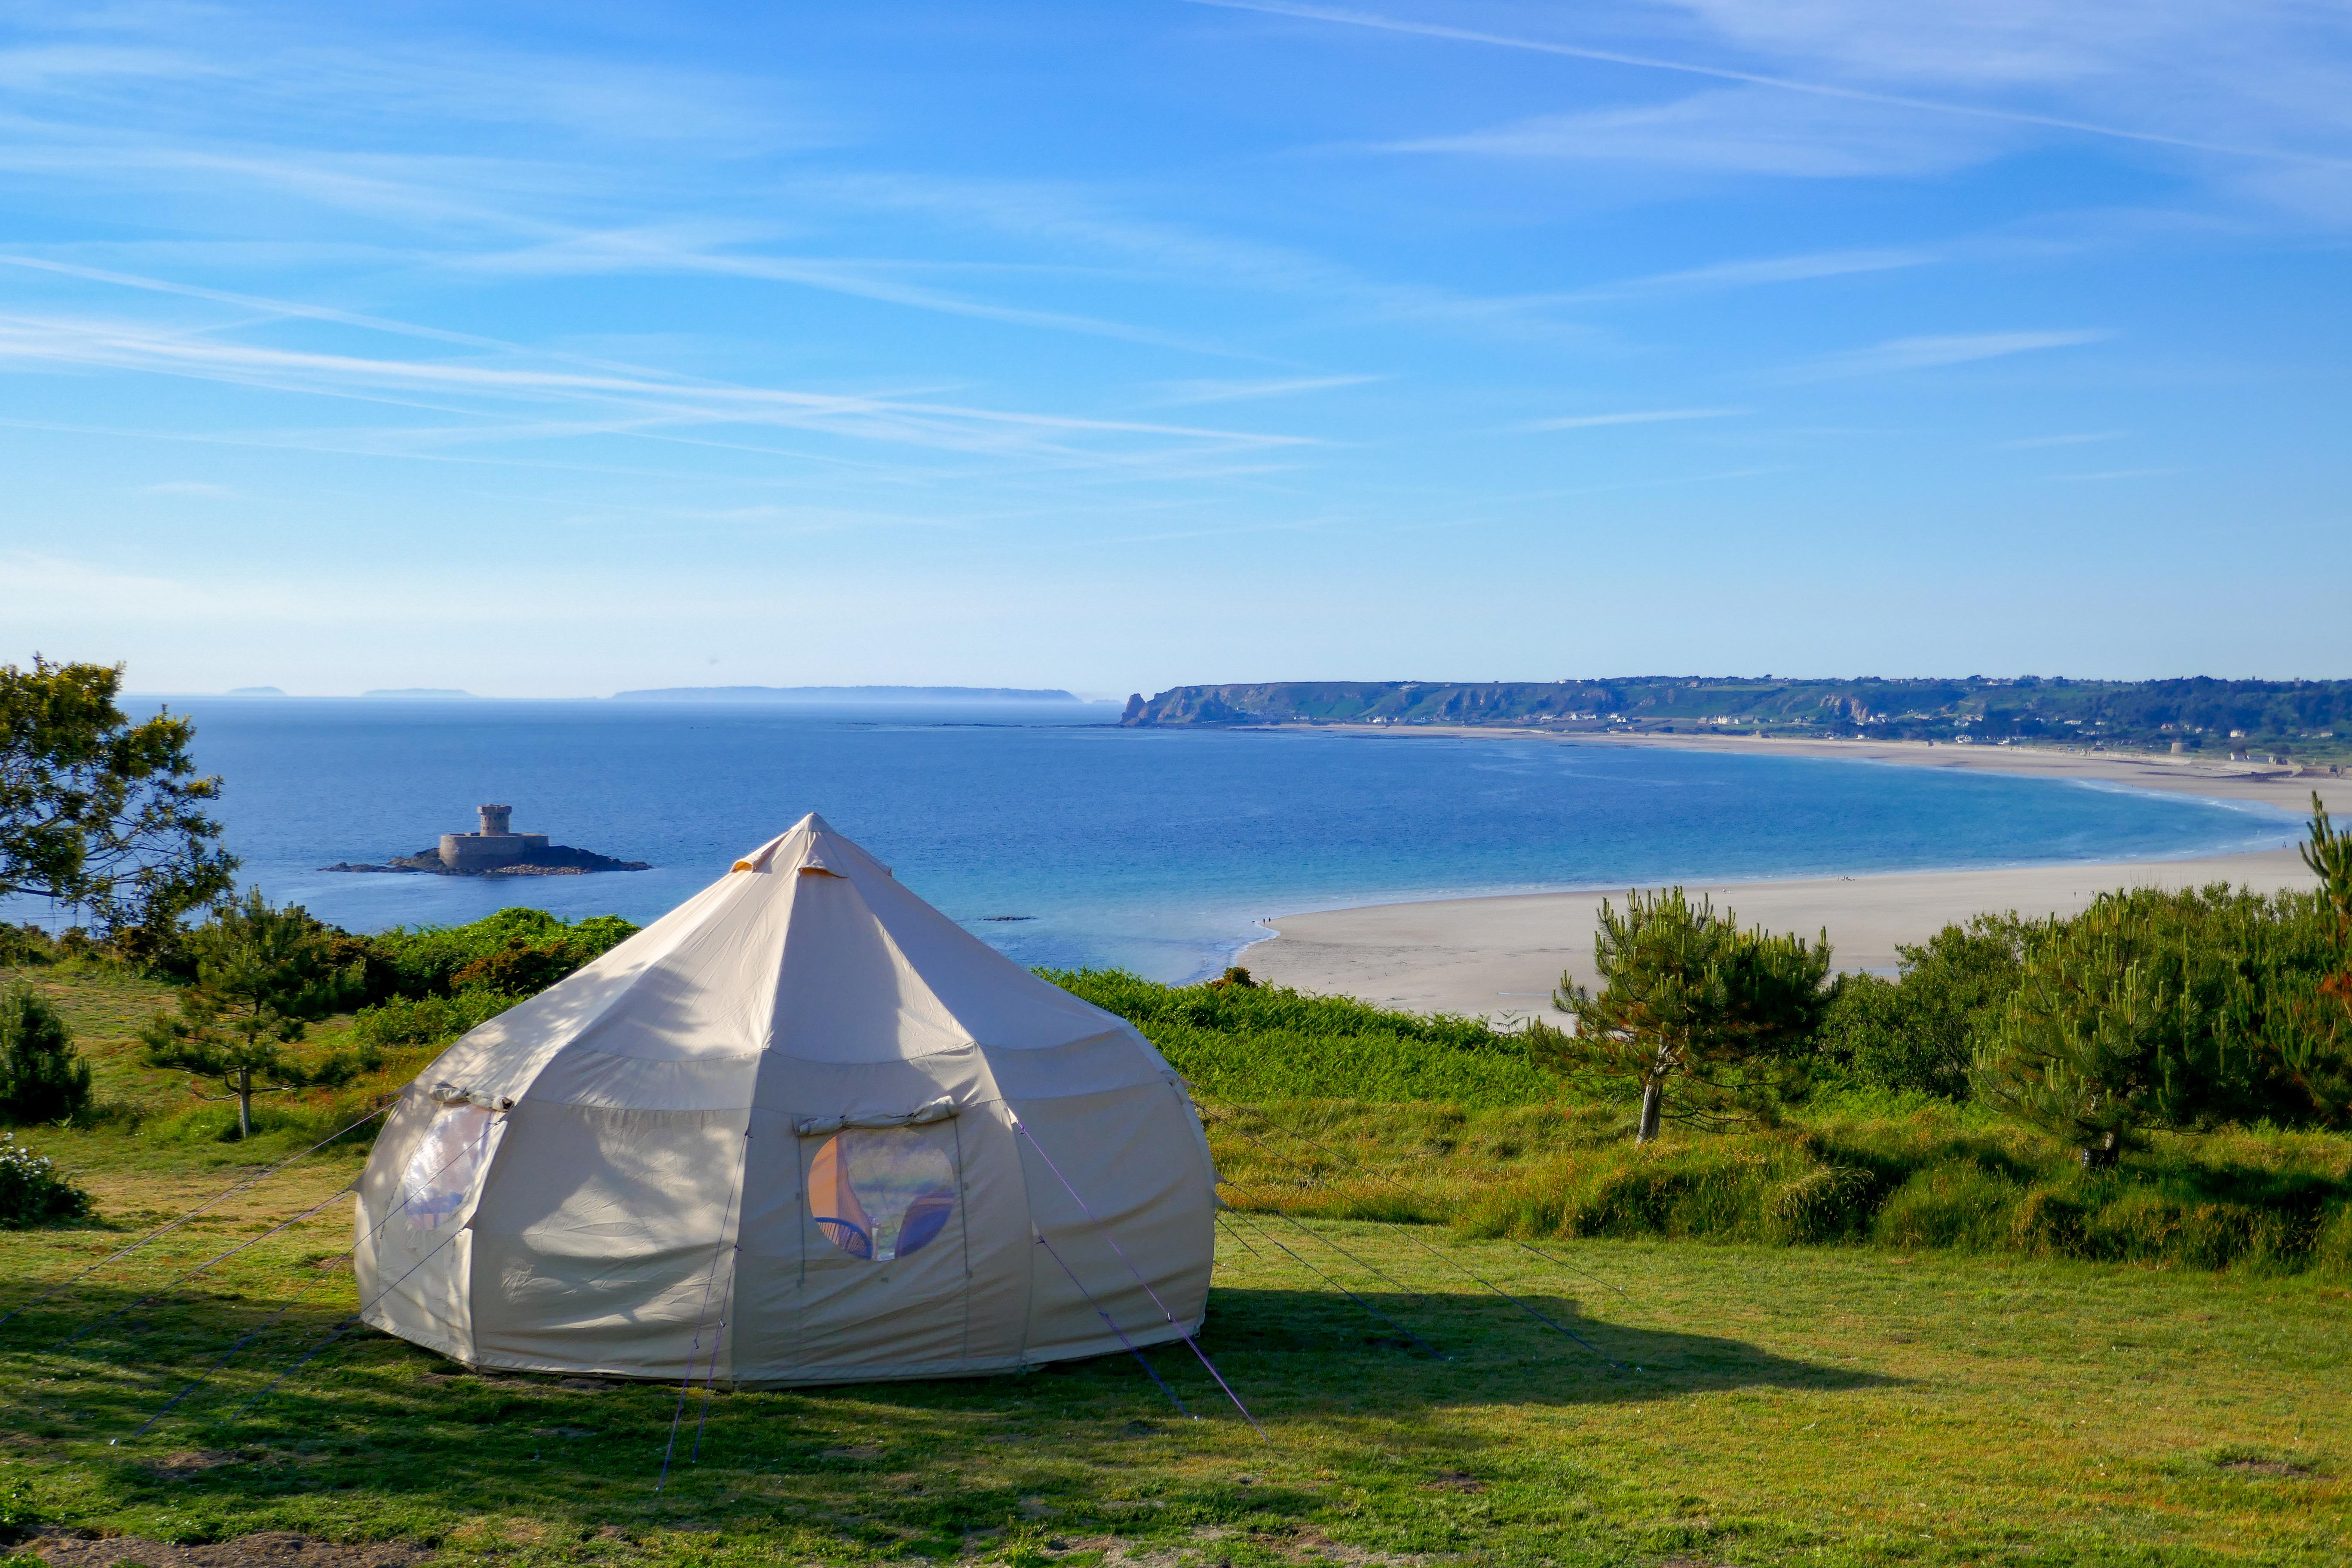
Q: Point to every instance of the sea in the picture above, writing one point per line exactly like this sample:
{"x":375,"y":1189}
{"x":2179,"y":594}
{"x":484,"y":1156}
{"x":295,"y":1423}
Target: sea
{"x":1065,"y":840}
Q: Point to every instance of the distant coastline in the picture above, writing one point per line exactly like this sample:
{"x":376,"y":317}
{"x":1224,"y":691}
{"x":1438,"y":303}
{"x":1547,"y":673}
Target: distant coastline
{"x":845,"y":694}
{"x":2241,"y":720}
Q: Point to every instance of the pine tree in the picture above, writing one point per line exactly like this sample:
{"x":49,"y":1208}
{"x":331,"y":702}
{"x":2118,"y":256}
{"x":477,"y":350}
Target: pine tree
{"x":42,"y":1077}
{"x":1688,"y":998}
{"x":263,"y":976}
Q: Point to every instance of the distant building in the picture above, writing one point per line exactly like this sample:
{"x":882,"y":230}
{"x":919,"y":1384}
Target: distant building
{"x":496,"y":845}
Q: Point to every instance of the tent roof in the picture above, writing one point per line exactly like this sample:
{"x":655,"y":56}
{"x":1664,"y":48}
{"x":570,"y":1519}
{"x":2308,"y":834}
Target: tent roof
{"x":810,"y":949}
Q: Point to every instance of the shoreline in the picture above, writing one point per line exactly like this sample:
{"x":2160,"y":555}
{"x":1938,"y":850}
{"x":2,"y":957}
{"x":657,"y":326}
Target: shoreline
{"x":1499,"y":956}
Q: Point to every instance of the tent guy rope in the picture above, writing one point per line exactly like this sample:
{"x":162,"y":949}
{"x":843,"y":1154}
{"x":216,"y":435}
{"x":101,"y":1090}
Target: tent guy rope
{"x":175,"y":1225}
{"x":1194,"y":1344}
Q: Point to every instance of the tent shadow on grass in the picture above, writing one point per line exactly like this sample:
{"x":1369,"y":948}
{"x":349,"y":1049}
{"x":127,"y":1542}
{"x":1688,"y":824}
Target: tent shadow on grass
{"x":1496,"y":1352}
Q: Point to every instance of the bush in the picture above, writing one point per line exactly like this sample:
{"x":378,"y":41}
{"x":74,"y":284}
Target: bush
{"x":427,"y":1020}
{"x":31,"y":1191}
{"x":2268,"y":1200}
{"x":1234,"y":1041}
{"x":42,"y":1077}
{"x":518,"y":951}
{"x":2156,"y":1009}
{"x":25,"y":946}
{"x":1920,"y":1034}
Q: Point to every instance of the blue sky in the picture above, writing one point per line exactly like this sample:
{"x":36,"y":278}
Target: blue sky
{"x":557,"y":350}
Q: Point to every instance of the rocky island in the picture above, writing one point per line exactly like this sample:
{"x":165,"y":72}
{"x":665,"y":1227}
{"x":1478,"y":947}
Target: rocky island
{"x":497,"y":850}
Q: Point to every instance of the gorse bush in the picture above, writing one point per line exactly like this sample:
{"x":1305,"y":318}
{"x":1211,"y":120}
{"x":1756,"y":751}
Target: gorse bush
{"x":2195,"y":1008}
{"x":409,"y":1021}
{"x":518,"y":951}
{"x":25,"y":946}
{"x":32,"y":1192}
{"x":1247,"y":1041}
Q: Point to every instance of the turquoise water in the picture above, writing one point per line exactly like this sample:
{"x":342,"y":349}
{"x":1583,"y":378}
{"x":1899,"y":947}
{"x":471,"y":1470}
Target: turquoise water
{"x":1152,"y":849}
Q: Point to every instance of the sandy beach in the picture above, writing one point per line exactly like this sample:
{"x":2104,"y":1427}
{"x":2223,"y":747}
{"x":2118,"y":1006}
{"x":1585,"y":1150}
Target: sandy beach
{"x":1501,"y":957}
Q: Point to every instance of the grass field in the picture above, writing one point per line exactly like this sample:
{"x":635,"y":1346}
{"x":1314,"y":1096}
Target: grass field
{"x":1797,"y":1404}
{"x":1720,"y":1402}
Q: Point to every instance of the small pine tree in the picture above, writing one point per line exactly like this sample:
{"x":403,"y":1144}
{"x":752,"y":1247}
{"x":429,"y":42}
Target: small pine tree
{"x":1689,"y":998}
{"x":42,"y":1077}
{"x":263,"y":976}
{"x":2097,"y":1042}
{"x":2317,"y":1055}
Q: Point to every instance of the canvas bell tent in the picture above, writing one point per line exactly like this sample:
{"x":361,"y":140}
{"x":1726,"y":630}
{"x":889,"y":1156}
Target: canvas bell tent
{"x":803,"y":1129}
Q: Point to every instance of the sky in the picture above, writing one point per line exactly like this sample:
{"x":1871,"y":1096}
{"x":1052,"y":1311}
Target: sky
{"x":559,"y":349}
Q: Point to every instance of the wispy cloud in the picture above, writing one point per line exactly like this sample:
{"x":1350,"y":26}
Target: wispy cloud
{"x":1180,"y":394}
{"x":657,"y":251}
{"x":1353,"y":18}
{"x":1929,"y":352}
{"x":1639,"y":416}
{"x":629,"y":397}
{"x":2080,"y":439}
{"x":1740,"y":131}
{"x":1762,"y":271}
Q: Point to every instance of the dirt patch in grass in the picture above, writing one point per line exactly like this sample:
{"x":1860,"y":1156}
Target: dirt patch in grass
{"x":2287,"y":1467}
{"x":189,"y":1463}
{"x":270,"y":1549}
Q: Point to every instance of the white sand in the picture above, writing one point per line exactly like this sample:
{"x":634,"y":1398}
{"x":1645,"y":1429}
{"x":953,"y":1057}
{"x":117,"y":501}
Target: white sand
{"x":1501,"y":957}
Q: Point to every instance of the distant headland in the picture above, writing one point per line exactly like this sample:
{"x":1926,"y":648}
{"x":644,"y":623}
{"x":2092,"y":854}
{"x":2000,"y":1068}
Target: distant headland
{"x":497,"y":850}
{"x":2269,"y":721}
{"x":843,"y":694}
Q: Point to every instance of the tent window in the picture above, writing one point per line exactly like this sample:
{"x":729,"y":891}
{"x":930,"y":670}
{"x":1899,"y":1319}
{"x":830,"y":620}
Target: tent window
{"x":441,"y":1173}
{"x":882,"y":1193}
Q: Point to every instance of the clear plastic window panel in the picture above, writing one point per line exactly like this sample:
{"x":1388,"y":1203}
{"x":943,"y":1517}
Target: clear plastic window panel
{"x":884,"y":1193}
{"x":442,"y":1172}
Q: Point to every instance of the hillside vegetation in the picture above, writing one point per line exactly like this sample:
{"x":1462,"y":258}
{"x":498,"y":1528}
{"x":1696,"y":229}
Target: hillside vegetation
{"x":2310,"y":720}
{"x":1511,"y":1153}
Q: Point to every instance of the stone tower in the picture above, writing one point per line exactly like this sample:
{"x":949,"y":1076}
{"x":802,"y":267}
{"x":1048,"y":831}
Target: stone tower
{"x":495,"y":845}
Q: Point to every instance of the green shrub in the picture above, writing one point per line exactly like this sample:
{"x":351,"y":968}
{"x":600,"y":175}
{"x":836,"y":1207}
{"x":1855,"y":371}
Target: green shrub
{"x":42,"y":1077}
{"x":32,"y":1192}
{"x":519,"y":950}
{"x":427,"y":1020}
{"x":2154,"y":1009}
{"x":2272,"y":1200}
{"x":1236,"y":1041}
{"x":25,"y":946}
{"x":1919,"y":1034}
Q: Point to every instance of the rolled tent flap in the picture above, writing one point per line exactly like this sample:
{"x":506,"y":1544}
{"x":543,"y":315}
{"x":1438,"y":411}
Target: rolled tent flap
{"x":790,"y":1106}
{"x":939,"y":1110}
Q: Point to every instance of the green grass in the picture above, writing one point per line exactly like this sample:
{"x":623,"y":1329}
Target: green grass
{"x":1814,"y":1406}
{"x":1914,"y":1388}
